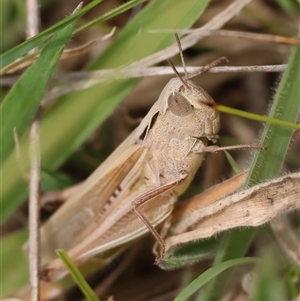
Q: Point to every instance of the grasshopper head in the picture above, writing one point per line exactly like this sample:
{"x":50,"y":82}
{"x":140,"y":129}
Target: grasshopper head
{"x":190,"y":109}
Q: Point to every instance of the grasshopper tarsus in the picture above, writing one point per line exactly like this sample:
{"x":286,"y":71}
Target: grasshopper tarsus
{"x":154,"y":232}
{"x":160,"y":255}
{"x":158,"y":259}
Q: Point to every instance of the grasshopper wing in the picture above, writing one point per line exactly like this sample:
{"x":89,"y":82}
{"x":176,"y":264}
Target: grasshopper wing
{"x":90,"y":201}
{"x":104,"y":216}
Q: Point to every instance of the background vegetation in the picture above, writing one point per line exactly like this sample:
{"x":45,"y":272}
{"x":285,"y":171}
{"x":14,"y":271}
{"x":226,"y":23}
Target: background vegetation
{"x":80,"y":128}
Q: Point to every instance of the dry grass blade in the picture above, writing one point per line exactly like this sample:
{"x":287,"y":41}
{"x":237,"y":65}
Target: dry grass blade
{"x":209,"y":196}
{"x":215,"y":23}
{"x":33,"y":24}
{"x":239,"y":34}
{"x":93,"y":78}
{"x":34,"y":210}
{"x":252,"y":207}
{"x":85,"y":79}
{"x":82,"y":49}
{"x":33,"y":18}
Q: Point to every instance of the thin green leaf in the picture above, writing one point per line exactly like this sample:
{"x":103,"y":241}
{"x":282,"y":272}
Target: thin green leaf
{"x":228,"y":250}
{"x":257,"y":117}
{"x":266,"y":164}
{"x":210,"y":274}
{"x":118,"y":10}
{"x":232,"y":163}
{"x":23,"y":100}
{"x":23,"y":48}
{"x":77,"y":276}
{"x":35,"y":41}
{"x":286,"y":106}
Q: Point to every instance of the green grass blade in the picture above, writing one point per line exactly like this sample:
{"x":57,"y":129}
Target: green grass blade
{"x":257,"y":117}
{"x":23,"y":48}
{"x":29,"y":44}
{"x":77,"y":276}
{"x":234,"y":165}
{"x":23,"y":100}
{"x":228,"y":250}
{"x":286,"y":106}
{"x":118,"y":10}
{"x":211,"y":274}
{"x":68,"y":124}
{"x":266,"y":164}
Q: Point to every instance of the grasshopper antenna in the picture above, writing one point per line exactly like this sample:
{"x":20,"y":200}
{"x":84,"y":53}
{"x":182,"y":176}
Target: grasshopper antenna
{"x":183,"y":63}
{"x":177,"y":73}
{"x":207,"y":67}
{"x":181,"y":56}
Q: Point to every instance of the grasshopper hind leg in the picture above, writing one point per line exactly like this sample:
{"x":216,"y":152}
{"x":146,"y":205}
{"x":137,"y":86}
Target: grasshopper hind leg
{"x":147,"y":197}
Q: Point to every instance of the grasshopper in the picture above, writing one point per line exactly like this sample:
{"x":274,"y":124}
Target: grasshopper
{"x":135,"y":189}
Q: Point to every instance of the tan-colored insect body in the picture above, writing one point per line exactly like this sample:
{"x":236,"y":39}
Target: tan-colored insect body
{"x":137,"y":185}
{"x":135,"y":188}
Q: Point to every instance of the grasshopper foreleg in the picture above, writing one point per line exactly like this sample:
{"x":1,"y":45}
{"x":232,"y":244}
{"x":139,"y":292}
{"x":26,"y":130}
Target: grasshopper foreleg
{"x":216,"y":148}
